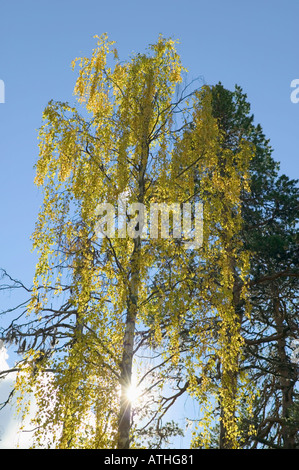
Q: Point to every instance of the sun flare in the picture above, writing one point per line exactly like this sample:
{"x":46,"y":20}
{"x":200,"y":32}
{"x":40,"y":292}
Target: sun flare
{"x":133,"y":392}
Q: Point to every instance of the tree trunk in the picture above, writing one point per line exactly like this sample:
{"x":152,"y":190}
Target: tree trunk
{"x":124,"y":424}
{"x":229,"y":379}
{"x":285,"y":378}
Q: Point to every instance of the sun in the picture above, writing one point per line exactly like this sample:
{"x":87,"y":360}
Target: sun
{"x":133,"y":392}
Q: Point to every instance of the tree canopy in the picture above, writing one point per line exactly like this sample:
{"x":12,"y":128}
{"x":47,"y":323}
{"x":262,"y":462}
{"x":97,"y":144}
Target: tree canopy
{"x":191,"y":302}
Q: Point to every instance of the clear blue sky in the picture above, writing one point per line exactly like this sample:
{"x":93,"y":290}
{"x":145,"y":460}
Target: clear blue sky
{"x":250,"y":43}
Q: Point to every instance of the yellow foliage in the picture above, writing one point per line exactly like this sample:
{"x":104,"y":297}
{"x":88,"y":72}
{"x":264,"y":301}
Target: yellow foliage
{"x":127,"y":143}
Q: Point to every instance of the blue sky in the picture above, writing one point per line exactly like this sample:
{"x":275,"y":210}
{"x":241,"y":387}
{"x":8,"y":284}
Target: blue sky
{"x":253,"y":44}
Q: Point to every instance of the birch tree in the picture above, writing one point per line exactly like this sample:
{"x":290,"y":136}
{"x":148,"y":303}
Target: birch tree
{"x":103,"y":289}
{"x":118,"y":145}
